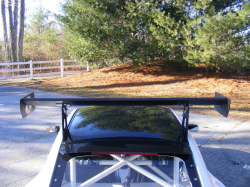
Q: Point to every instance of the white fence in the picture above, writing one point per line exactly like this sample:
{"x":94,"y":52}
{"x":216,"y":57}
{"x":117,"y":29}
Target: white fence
{"x":7,"y":68}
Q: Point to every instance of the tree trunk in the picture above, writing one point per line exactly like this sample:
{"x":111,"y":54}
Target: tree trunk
{"x":21,"y":33}
{"x":12,"y":37}
{"x":15,"y":23}
{"x":6,"y":42}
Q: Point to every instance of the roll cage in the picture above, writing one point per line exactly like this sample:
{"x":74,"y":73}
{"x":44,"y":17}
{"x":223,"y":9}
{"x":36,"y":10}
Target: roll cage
{"x":136,"y":164}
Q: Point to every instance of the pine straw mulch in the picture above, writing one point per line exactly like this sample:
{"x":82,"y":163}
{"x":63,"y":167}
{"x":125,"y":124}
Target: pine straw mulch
{"x":156,"y":81}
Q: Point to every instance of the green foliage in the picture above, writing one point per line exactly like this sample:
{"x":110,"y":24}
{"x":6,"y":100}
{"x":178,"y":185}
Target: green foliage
{"x":226,"y":5}
{"x":40,"y":20}
{"x":41,"y":40}
{"x":137,"y":30}
{"x":221,"y":41}
{"x":44,"y":46}
{"x":178,"y":33}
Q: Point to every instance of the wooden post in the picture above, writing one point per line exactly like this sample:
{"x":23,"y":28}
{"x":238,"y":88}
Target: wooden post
{"x":61,"y":64}
{"x":31,"y":70}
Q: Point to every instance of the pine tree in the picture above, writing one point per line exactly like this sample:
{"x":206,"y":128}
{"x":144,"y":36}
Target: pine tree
{"x":135,"y":30}
{"x":177,"y":33}
{"x":221,"y":41}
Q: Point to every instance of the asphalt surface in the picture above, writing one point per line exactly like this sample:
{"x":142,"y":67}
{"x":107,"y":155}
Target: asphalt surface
{"x":225,"y":146}
{"x":24,"y":143}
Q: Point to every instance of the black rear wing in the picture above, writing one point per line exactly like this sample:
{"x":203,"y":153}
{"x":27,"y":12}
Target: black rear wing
{"x":28,"y":103}
{"x":220,"y":102}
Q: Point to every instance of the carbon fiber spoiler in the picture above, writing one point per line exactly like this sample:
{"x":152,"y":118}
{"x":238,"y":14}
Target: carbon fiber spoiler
{"x":220,"y":102}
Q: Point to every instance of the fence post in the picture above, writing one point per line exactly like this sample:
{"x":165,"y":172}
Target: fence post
{"x":61,"y":64}
{"x":87,"y":66}
{"x":31,"y":70}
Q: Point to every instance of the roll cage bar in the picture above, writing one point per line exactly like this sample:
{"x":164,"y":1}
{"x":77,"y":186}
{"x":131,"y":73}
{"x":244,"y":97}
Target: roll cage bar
{"x":131,"y":162}
{"x":28,"y":103}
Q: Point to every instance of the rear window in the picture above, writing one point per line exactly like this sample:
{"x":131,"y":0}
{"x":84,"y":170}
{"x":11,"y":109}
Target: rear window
{"x":126,"y":171}
{"x":124,"y":122}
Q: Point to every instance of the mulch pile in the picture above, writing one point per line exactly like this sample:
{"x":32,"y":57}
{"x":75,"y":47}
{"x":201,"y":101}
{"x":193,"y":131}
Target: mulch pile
{"x":154,"y":81}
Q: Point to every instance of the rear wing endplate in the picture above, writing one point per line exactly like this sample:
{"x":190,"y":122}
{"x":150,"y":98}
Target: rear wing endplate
{"x":220,"y":102}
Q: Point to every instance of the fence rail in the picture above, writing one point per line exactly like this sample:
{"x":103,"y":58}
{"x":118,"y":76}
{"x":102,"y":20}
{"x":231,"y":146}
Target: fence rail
{"x":8,"y":68}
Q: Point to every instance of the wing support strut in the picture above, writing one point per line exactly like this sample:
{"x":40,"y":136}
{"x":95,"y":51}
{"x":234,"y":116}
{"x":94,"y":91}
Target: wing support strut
{"x":185,"y":118}
{"x":65,"y":130}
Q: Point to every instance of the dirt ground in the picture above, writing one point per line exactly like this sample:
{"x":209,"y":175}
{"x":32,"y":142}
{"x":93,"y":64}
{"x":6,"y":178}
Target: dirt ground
{"x":154,"y":81}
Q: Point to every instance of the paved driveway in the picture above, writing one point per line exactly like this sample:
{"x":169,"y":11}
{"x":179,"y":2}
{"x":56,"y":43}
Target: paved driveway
{"x":24,"y":144}
{"x":225,"y":147}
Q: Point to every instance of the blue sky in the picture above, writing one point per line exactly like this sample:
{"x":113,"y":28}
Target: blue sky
{"x":52,"y":5}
